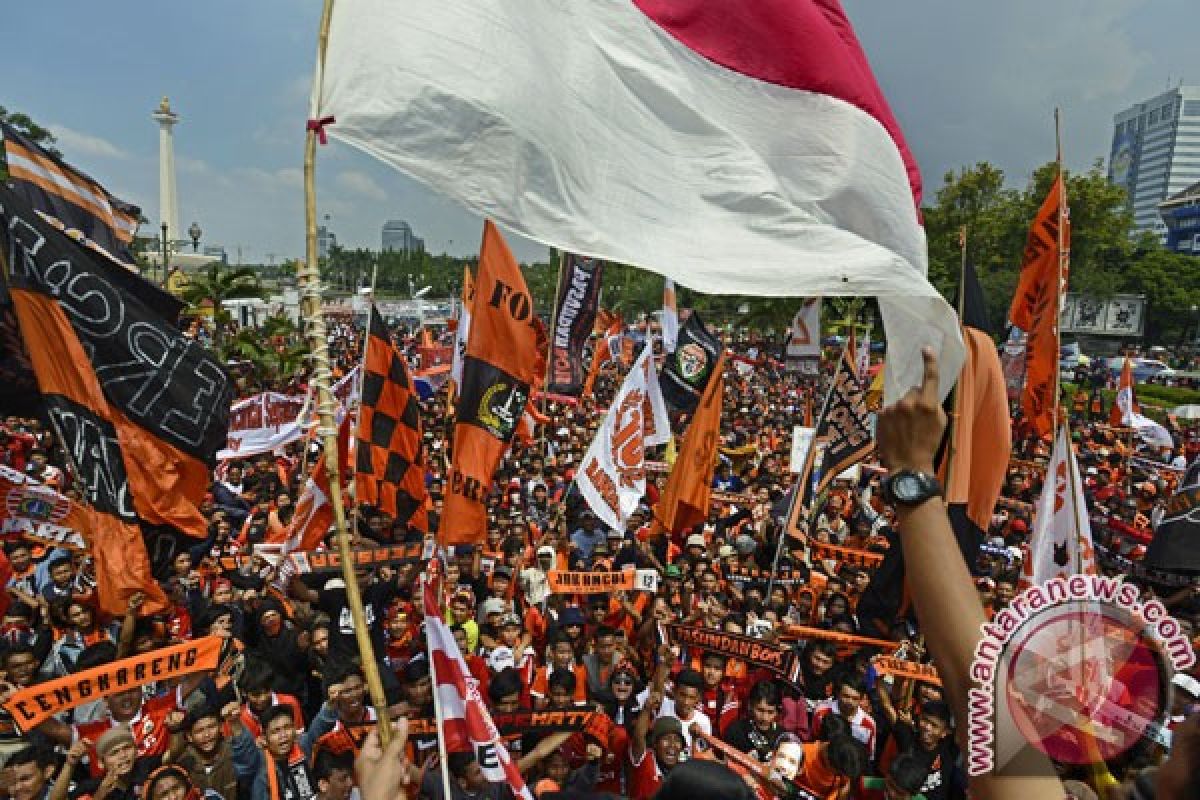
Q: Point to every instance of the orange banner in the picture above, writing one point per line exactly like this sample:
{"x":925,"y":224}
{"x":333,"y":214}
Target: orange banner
{"x":837,"y":637}
{"x":846,"y":555}
{"x":591,"y":582}
{"x":897,"y":667}
{"x":32,"y":706}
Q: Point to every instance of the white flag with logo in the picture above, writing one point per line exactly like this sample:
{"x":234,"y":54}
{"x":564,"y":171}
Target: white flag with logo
{"x":1061,"y":543}
{"x":612,"y":475}
{"x":804,"y":339}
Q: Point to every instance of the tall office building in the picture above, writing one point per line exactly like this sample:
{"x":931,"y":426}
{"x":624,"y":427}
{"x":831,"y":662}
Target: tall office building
{"x":1156,"y":152}
{"x":398,"y":236}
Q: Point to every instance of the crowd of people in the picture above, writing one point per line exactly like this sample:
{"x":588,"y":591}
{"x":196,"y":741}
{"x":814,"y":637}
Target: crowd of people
{"x":287,"y":713}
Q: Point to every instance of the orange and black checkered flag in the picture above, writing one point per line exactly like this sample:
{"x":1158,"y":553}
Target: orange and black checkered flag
{"x":389,"y":471}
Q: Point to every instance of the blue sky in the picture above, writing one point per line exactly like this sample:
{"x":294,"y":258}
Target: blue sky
{"x":969,"y":81}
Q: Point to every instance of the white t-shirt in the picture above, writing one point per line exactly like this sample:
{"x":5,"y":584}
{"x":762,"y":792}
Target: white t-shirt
{"x":667,"y":709}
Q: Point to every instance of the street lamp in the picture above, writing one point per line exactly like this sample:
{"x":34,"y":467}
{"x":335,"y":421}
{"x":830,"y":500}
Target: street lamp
{"x":194,"y":232}
{"x":164,"y":252}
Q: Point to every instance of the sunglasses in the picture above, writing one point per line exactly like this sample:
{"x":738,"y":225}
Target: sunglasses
{"x":622,"y":681}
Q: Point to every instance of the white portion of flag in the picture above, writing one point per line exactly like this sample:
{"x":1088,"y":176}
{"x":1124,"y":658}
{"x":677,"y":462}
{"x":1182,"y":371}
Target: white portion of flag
{"x":612,"y":474}
{"x":864,"y":357}
{"x":1061,"y":544}
{"x":804,"y":338}
{"x":464,"y":718}
{"x":670,"y":317}
{"x":608,"y":137}
{"x":460,"y":343}
{"x":1145,"y":427}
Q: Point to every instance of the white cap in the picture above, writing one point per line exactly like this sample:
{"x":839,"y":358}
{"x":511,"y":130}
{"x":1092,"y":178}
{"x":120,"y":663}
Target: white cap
{"x":493,"y":605}
{"x":501,"y":658}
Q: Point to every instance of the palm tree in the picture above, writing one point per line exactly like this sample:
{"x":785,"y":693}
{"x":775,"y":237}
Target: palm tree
{"x":217,"y":285}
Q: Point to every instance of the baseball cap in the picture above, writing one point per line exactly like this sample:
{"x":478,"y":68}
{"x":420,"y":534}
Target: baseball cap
{"x":501,"y":658}
{"x":112,"y":738}
{"x":664,"y":726}
{"x":673,"y":571}
{"x":725,"y":551}
{"x":493,"y":605}
{"x":510,"y":620}
{"x":545,"y":550}
{"x":696,"y":540}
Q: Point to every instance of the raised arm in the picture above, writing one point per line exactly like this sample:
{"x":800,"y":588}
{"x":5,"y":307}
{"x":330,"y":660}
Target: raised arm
{"x":947,"y":605}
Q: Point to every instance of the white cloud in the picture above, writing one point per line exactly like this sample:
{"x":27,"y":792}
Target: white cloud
{"x":361,"y":183}
{"x":74,"y":144}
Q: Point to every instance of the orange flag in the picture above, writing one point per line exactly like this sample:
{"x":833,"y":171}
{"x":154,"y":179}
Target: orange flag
{"x":686,"y":498}
{"x":1035,"y":306}
{"x":77,"y":405}
{"x":982,"y":436}
{"x":608,"y":347}
{"x":501,"y":366}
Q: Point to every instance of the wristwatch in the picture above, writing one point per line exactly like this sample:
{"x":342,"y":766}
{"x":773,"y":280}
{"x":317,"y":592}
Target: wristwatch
{"x":909,"y":489}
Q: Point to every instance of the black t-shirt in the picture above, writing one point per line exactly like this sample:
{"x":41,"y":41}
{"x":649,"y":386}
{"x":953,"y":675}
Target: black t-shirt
{"x":745,"y":736}
{"x":939,"y":762}
{"x":375,"y":597}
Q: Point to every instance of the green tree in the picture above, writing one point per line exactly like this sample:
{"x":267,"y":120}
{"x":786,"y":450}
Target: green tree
{"x":1171,"y":283}
{"x":997,"y":221}
{"x":218,"y":285}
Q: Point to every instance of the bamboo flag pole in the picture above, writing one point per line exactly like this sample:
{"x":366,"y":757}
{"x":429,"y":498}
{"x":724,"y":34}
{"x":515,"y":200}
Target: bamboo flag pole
{"x":558,"y":284}
{"x":1063,"y":261}
{"x":327,"y":426}
{"x":952,"y":426}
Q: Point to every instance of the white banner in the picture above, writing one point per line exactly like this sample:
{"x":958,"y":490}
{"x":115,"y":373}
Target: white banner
{"x":263,"y":423}
{"x":612,"y":475}
{"x":269,"y":421}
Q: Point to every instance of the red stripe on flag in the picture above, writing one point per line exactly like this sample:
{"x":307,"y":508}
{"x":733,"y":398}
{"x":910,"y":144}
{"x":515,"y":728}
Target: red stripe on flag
{"x":801,"y":44}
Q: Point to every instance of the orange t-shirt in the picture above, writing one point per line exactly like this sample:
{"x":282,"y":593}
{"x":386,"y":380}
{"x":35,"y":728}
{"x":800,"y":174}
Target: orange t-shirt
{"x":541,"y":684}
{"x":816,"y":775}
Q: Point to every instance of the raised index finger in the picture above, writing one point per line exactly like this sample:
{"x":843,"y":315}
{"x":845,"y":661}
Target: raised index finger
{"x":929,"y":382}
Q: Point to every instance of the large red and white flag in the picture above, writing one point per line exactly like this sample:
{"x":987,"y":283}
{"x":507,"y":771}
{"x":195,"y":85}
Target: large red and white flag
{"x":735,"y":147}
{"x":465,"y":723}
{"x":1061,"y":544}
{"x":612,"y":474}
{"x":1125,"y":412}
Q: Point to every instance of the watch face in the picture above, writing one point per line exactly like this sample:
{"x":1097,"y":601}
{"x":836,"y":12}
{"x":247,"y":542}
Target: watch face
{"x":906,"y":487}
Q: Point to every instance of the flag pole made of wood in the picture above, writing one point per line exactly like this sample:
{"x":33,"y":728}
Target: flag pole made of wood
{"x":309,"y":278}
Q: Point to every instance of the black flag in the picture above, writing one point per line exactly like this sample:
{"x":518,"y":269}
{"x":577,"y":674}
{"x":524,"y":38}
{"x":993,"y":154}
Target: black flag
{"x":574,"y":317}
{"x":1174,"y":547}
{"x":687,"y":371}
